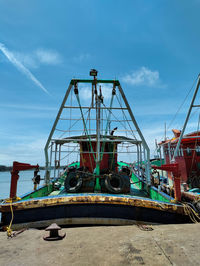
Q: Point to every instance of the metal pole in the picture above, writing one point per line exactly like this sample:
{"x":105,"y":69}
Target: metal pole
{"x":138,"y":158}
{"x":98,"y":128}
{"x":98,"y":135}
{"x":55,"y":160}
{"x":140,"y":151}
{"x":186,"y":120}
{"x":59,"y":159}
{"x":51,"y":154}
{"x":169,"y":151}
{"x":53,"y":129}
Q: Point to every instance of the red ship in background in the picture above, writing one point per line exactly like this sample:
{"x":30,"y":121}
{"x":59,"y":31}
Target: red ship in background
{"x":181,"y":156}
{"x":188,"y":157}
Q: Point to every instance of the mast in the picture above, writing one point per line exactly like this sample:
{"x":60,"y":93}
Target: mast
{"x":98,"y":126}
{"x":93,"y":73}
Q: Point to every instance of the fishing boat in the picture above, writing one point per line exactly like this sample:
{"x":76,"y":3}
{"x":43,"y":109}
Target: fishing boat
{"x":98,"y":167}
{"x":188,"y":157}
{"x":183,"y":152}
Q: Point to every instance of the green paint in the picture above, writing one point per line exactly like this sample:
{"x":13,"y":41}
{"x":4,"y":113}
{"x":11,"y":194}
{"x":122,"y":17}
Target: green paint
{"x":74,"y":81}
{"x":154,"y":194}
{"x":137,"y":189}
{"x":97,"y":185}
{"x":157,"y":162}
{"x":41,"y":192}
{"x":76,"y":164}
{"x":97,"y":173}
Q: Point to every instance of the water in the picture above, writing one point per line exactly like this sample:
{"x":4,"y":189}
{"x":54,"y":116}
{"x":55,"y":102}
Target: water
{"x":24,"y":185}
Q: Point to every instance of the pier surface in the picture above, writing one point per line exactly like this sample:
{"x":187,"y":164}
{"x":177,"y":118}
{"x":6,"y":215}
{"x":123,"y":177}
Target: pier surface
{"x":105,"y":245}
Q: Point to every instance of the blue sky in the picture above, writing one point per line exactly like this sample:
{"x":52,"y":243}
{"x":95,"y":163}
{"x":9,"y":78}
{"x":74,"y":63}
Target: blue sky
{"x":151,"y":46}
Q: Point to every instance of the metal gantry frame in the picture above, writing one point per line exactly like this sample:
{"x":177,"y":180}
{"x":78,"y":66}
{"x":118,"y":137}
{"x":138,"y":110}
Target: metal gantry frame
{"x":54,"y":145}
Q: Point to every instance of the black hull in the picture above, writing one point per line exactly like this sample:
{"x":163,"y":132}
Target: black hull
{"x":91,"y":214}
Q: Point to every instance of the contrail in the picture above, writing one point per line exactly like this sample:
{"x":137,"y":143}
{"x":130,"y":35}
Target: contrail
{"x":21,"y":67}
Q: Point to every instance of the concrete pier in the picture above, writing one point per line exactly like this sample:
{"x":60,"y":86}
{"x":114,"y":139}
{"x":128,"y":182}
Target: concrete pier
{"x":105,"y":245}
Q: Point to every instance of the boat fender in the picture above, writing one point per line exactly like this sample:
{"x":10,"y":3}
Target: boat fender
{"x":71,"y":169}
{"x":114,"y":183}
{"x":73,"y":182}
{"x":126,"y":170}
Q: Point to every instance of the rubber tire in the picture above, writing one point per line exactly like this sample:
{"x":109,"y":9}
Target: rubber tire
{"x":112,"y":189}
{"x":77,"y":187}
{"x":126,"y":170}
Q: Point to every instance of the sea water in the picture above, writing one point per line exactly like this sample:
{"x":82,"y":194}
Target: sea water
{"x":24,"y":184}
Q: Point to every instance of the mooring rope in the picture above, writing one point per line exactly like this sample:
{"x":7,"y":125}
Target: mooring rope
{"x":188,"y":210}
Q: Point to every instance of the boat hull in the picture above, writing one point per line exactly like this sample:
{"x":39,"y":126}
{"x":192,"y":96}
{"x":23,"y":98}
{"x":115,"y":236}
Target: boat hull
{"x":104,"y":209}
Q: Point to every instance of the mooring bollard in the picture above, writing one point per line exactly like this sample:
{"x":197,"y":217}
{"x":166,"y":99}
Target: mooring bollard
{"x":53,"y":233}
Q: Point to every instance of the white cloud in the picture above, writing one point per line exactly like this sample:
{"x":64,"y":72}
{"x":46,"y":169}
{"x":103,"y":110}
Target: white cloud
{"x":11,"y":57}
{"x":86,"y":92}
{"x":38,"y":57}
{"x":106,"y":91}
{"x":143,"y":76}
{"x":27,"y":60}
{"x":48,"y":57}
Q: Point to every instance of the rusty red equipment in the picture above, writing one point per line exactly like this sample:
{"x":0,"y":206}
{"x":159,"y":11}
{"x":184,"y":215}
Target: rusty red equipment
{"x":173,"y":167}
{"x":15,"y":176}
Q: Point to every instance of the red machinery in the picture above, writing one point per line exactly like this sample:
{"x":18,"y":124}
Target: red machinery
{"x":15,"y":176}
{"x":173,"y":167}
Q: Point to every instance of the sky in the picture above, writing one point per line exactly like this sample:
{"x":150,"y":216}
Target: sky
{"x":151,"y":46}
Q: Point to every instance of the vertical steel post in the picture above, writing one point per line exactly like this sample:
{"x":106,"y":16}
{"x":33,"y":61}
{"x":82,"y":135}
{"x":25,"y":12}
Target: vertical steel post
{"x":138,"y":158}
{"x":97,"y":186}
{"x":169,"y":151}
{"x":52,"y":131}
{"x":51,"y":154}
{"x":140,"y":151}
{"x":98,"y":128}
{"x":59,"y":157}
{"x":55,"y":159}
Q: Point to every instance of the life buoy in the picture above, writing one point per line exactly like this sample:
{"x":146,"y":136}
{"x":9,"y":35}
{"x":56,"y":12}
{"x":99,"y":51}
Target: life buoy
{"x":114,"y":183}
{"x":73,"y":182}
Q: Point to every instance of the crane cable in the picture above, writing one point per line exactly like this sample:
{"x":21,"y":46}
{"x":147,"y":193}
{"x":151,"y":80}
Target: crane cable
{"x":107,"y":124}
{"x":86,"y":131}
{"x":174,"y":117}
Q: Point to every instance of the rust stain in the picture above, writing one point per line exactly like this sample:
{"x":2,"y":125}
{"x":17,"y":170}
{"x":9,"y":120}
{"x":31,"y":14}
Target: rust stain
{"x":95,"y":199}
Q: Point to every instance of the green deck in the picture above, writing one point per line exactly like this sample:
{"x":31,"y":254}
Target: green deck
{"x":138,"y":189}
